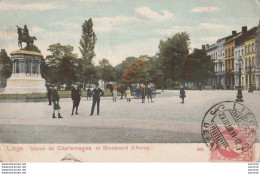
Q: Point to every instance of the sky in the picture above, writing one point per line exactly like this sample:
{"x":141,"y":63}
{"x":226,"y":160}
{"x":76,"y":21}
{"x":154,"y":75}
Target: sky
{"x":124,"y":28}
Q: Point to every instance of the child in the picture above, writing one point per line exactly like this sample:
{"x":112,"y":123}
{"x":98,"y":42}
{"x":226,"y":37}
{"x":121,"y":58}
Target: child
{"x":128,"y":95}
{"x":55,"y":99}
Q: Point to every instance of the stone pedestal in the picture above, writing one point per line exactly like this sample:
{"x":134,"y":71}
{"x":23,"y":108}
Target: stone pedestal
{"x":26,"y":76}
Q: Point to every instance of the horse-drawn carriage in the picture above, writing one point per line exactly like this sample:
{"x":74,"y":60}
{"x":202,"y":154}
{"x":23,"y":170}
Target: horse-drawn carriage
{"x":136,"y":91}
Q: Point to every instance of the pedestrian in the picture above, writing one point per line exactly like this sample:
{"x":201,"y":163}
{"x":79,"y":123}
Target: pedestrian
{"x":200,"y":86}
{"x":182,"y":94}
{"x":149,"y":93}
{"x":55,"y":99}
{"x":143,"y":93}
{"x":75,"y":96}
{"x":49,"y":95}
{"x":138,"y":91}
{"x":128,"y":95}
{"x":89,"y":93}
{"x":96,"y":93}
{"x":114,"y":94}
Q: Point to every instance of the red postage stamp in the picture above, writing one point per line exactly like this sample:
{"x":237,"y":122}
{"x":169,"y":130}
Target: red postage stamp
{"x":228,"y":129}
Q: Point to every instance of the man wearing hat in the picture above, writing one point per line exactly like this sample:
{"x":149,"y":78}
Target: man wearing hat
{"x":75,"y":96}
{"x":96,"y":93}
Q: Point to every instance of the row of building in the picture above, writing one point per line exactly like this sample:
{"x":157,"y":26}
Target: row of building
{"x":238,"y":49}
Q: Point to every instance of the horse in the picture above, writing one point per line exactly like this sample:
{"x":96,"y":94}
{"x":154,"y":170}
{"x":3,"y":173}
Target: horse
{"x":120,"y":88}
{"x":22,"y":38}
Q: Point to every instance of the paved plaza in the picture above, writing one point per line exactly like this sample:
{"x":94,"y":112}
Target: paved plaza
{"x":165,"y":120}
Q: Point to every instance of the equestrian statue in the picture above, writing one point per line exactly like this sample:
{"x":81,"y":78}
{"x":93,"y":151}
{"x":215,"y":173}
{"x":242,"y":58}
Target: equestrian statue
{"x":23,"y":36}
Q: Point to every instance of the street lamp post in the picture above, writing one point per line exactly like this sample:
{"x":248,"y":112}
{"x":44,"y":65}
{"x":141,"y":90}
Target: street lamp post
{"x":239,"y":89}
{"x":250,"y":81}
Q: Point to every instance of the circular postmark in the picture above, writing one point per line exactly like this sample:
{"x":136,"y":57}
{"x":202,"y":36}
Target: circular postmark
{"x":229,"y":127}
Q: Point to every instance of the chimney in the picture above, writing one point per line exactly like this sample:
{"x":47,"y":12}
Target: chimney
{"x":203,"y":47}
{"x":234,"y":32}
{"x":244,"y":30}
{"x":207,"y":45}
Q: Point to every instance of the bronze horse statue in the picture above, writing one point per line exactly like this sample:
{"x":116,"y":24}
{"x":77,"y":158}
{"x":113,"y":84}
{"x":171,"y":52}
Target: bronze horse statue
{"x":120,"y":88}
{"x":29,"y":40}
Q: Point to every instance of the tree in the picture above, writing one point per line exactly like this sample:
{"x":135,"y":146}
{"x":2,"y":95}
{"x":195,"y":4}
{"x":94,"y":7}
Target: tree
{"x":67,"y":71}
{"x":106,"y":70}
{"x":197,"y":66}
{"x":58,"y":52}
{"x":135,"y":73}
{"x":5,"y":60}
{"x":87,"y":46}
{"x":93,"y":73}
{"x":122,"y":66}
{"x":155,"y":70}
{"x":45,"y":69}
{"x":172,"y":53}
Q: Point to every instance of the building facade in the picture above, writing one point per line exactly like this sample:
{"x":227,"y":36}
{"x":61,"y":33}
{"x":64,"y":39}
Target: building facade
{"x":257,"y":53}
{"x":239,"y":61}
{"x":250,"y":62}
{"x":229,"y":63}
{"x":231,"y":52}
{"x":212,"y":51}
{"x":220,"y":70}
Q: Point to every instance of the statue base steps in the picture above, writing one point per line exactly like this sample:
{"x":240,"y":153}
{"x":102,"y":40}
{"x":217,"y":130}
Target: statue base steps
{"x":25,"y":85}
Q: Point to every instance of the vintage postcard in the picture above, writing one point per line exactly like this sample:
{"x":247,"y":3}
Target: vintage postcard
{"x":129,"y":81}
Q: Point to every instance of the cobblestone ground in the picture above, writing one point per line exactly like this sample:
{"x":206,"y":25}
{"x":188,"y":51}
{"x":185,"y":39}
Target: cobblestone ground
{"x":165,"y":120}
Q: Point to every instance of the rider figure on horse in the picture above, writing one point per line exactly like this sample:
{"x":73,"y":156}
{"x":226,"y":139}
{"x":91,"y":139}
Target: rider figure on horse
{"x":23,"y":36}
{"x":25,"y":31}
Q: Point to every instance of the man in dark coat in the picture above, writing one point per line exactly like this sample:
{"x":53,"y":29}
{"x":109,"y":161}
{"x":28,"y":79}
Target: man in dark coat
{"x":149,"y":93}
{"x":55,"y":99}
{"x":143,"y":93}
{"x":49,"y":95}
{"x":96,"y":93}
{"x":75,"y":96}
{"x":88,"y":93}
{"x":182,"y":94}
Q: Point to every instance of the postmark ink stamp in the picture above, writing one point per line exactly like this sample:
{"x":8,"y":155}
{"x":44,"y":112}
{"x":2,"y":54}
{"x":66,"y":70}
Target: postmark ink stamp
{"x":228,"y":129}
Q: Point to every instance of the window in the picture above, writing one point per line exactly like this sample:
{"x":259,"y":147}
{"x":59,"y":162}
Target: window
{"x":253,"y":61}
{"x":225,"y":52}
{"x":242,"y":52}
{"x":236,"y":54}
{"x":253,"y":47}
{"x":228,"y":52}
{"x":232,"y":51}
{"x":249,"y":51}
{"x":246,"y":63}
{"x":246,"y":50}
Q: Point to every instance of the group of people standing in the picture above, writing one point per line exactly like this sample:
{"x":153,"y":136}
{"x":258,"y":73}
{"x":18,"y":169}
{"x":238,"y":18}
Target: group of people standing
{"x":140,"y":90}
{"x":54,"y":98}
